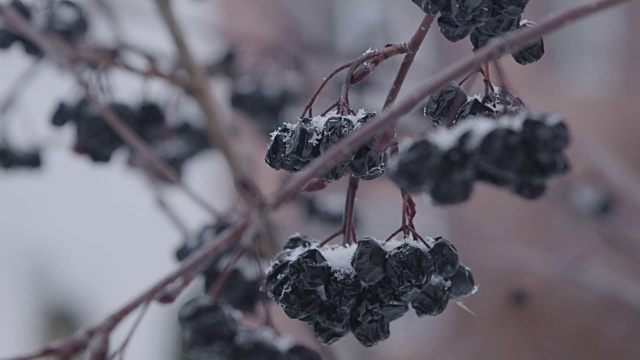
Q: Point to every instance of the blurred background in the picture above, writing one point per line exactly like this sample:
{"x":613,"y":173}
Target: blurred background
{"x":559,"y":277}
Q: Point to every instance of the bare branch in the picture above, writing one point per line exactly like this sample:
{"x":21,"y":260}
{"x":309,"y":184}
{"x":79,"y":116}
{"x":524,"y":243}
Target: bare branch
{"x":494,"y":49}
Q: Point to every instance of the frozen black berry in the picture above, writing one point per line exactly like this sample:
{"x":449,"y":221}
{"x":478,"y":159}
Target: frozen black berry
{"x":310,"y":269}
{"x":501,"y":151}
{"x":544,"y":132}
{"x":511,"y":8}
{"x":470,"y":12}
{"x":371,"y":332}
{"x":299,"y":303}
{"x":431,"y":7}
{"x":369,"y":305}
{"x":451,"y":30}
{"x":205,"y":324}
{"x":276,"y":153}
{"x":444,"y":104}
{"x":342,"y":289}
{"x":414,"y":168}
{"x":327,"y":334}
{"x":394,"y":310}
{"x":445,"y":256}
{"x":432,"y":300}
{"x":462,"y":283}
{"x":473,"y":107}
{"x":532,"y":52}
{"x":369,"y":260}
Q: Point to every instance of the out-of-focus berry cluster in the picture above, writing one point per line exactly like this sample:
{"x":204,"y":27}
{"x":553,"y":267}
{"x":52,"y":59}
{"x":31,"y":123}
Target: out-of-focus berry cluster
{"x":483,"y":20}
{"x":293,"y":146}
{"x":64,"y":18}
{"x":214,"y":331}
{"x":520,"y":152}
{"x":96,"y":139}
{"x":11,"y":158}
{"x":451,"y":104}
{"x":362,"y":288}
{"x":241,"y":288}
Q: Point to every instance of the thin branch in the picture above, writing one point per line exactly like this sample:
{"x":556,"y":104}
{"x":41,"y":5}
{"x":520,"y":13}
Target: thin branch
{"x":494,"y":49}
{"x":79,"y":341}
{"x":201,"y":92}
{"x":66,"y":60}
{"x":414,"y":45}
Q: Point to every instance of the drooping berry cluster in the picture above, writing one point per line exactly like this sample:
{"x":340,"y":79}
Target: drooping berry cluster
{"x":520,"y":152}
{"x":482,"y":20}
{"x":64,"y":18}
{"x":241,"y":288}
{"x":214,"y":331}
{"x":11,"y":158}
{"x":95,"y":138}
{"x":362,"y":288}
{"x":451,"y":104}
{"x":293,"y":146}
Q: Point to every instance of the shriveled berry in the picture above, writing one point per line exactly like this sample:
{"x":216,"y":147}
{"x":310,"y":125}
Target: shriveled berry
{"x":462,"y":283}
{"x":444,"y":104}
{"x":369,"y":260}
{"x":445,"y":256}
{"x":432,"y":300}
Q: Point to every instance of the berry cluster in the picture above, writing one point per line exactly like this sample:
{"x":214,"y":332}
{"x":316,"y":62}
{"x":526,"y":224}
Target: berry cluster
{"x":293,"y":146}
{"x":451,"y":104}
{"x":214,"y":331}
{"x":483,"y":20}
{"x":63,"y":18}
{"x":241,"y":288}
{"x":11,"y":158}
{"x":520,"y":152}
{"x":260,"y":100}
{"x":95,"y":138}
{"x":362,"y":288}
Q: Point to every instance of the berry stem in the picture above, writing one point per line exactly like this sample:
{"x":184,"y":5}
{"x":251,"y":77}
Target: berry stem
{"x":378,"y":56}
{"x":502,"y":77}
{"x":201,"y":92}
{"x":215,"y":289}
{"x":348,"y":223}
{"x":414,"y":45}
{"x":501,"y":45}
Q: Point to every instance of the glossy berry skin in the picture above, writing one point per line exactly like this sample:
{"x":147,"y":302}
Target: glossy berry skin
{"x":473,"y":107}
{"x":431,"y":7}
{"x":432,"y":300}
{"x":445,"y":257}
{"x":450,"y":29}
{"x":371,"y":332}
{"x":470,"y":12}
{"x":462,"y":283}
{"x":532,"y":52}
{"x":368,"y":261}
{"x":444,"y":104}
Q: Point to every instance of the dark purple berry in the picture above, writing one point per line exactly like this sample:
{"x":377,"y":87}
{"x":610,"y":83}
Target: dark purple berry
{"x":445,"y":257}
{"x":432,"y":300}
{"x":462,"y":283}
{"x":444,"y":104}
{"x":369,"y":260}
{"x":532,"y":52}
